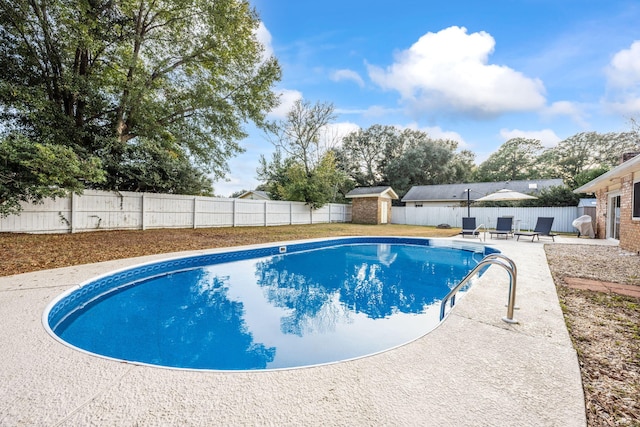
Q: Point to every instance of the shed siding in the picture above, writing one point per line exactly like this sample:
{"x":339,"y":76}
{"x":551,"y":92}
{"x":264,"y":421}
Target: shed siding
{"x":365,"y":210}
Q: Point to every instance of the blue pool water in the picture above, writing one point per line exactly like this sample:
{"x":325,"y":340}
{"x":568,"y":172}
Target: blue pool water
{"x":261,"y":309}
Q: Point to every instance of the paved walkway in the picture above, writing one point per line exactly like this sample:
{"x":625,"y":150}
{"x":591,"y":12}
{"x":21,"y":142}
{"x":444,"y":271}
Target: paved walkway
{"x":600,"y":286}
{"x":473,"y":370}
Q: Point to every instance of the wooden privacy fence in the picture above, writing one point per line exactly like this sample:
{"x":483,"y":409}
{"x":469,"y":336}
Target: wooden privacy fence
{"x":524,"y":218}
{"x":102,"y":210}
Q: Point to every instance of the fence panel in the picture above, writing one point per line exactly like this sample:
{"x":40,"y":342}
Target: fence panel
{"x":102,"y":210}
{"x":213,"y":212}
{"x":524,"y":218}
{"x":278,"y":213}
{"x":51,"y":216}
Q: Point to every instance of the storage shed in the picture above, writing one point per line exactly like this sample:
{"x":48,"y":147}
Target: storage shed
{"x":371,"y":205}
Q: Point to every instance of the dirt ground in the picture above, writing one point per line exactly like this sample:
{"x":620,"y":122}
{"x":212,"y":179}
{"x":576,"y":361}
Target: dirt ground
{"x":605,"y":327}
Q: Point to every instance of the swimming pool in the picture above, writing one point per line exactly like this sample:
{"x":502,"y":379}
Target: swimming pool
{"x":269,"y":307}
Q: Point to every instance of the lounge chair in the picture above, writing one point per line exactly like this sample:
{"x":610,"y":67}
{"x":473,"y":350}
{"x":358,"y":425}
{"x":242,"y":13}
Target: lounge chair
{"x":543,"y":228}
{"x":469,"y":227}
{"x":503,"y":227}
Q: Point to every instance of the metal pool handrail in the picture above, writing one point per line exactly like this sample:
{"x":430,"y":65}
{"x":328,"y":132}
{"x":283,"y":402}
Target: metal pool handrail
{"x":491,"y":259}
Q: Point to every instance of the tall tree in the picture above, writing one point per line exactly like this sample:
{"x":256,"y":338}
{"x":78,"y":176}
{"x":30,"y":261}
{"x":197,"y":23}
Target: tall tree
{"x":300,"y":135}
{"x":308,"y":173}
{"x":426,"y":163}
{"x":515,"y":159}
{"x":365,"y":150}
{"x":107,"y":77}
{"x":588,"y":151}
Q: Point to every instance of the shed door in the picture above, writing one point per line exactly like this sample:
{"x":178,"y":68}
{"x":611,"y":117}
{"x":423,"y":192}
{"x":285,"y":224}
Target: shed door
{"x":383,"y":215}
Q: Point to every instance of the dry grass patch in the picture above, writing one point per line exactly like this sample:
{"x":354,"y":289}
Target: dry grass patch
{"x":22,"y":253}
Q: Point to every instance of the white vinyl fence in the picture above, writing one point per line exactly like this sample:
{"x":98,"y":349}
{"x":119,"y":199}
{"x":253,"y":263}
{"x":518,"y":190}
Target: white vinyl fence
{"x":102,"y":210}
{"x":524,"y":218}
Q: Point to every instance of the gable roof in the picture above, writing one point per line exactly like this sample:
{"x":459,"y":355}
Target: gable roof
{"x":381,"y":191}
{"x":458,"y":192}
{"x":606,"y":179}
{"x":259,"y":194}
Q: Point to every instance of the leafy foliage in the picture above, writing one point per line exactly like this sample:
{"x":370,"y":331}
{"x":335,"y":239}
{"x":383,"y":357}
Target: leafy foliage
{"x":31,"y":171}
{"x":386,"y":155}
{"x":516,"y":159}
{"x":115,"y":78}
{"x":587,"y":151}
{"x":309,"y":173}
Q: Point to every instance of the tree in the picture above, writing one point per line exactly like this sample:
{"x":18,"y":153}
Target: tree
{"x":588,"y":175}
{"x":30,"y":172}
{"x":364,"y":152}
{"x":309,"y":171}
{"x":300,"y":134}
{"x":110,"y":77}
{"x":426,"y":163}
{"x":587,"y":151}
{"x":558,"y":196}
{"x":516,"y":159}
{"x":380,"y":155}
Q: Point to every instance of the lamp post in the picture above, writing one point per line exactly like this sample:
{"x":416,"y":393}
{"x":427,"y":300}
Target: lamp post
{"x":468,"y":190}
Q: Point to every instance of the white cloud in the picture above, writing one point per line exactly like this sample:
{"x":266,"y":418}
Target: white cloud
{"x":449,"y":70}
{"x":624,"y":69}
{"x":623,"y":81}
{"x":341,"y":75}
{"x":566,"y":108}
{"x":547,"y":137}
{"x":264,"y":37}
{"x":287,"y":99}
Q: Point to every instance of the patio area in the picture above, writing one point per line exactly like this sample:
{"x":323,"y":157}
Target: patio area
{"x":474,"y":369}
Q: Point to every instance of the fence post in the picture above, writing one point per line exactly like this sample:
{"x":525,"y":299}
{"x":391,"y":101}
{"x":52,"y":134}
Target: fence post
{"x":142,"y":211}
{"x":329,"y":213}
{"x":265,"y":212}
{"x":290,"y":213}
{"x":195,"y":211}
{"x":233,"y":213}
{"x":310,"y":215}
{"x":72,"y":214}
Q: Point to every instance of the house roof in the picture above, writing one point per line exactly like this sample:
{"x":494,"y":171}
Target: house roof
{"x":606,"y":179}
{"x":458,"y":192}
{"x":261,"y":194}
{"x":382,"y":191}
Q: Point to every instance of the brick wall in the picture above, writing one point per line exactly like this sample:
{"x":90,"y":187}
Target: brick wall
{"x":368,"y":210}
{"x":601,"y":212}
{"x":629,"y":228}
{"x":365,"y":210}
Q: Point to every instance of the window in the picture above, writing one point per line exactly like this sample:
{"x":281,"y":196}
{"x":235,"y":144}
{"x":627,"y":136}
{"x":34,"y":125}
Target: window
{"x":636,"y":200}
{"x":418,"y":205}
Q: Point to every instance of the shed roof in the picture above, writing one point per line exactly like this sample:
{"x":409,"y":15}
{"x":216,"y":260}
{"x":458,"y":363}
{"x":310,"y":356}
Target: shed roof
{"x":458,"y":192}
{"x":381,"y":191}
{"x":261,"y":194}
{"x":586,"y":203}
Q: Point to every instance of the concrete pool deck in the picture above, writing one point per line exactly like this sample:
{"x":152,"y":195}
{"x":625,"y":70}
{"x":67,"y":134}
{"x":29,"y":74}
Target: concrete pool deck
{"x":474,"y":369}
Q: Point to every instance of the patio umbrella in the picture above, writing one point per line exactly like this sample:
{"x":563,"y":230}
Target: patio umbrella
{"x":504,"y":194}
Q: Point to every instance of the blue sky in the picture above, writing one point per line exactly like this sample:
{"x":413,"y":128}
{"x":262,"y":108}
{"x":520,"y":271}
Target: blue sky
{"x":477,"y":72}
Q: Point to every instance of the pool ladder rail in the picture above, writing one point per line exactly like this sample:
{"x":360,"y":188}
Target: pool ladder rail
{"x":491,"y":259}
